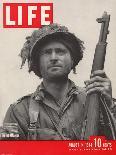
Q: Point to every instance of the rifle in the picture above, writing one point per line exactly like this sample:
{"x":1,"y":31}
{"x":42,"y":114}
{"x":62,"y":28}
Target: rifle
{"x":93,"y":101}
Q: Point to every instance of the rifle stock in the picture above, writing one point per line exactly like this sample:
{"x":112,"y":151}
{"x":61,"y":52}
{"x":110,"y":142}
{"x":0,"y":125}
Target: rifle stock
{"x":93,"y":100}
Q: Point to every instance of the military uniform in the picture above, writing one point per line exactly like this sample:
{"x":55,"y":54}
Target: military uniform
{"x":53,"y":121}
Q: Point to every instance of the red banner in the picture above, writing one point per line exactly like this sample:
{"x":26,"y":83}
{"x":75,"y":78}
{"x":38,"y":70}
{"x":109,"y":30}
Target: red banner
{"x":95,"y":146}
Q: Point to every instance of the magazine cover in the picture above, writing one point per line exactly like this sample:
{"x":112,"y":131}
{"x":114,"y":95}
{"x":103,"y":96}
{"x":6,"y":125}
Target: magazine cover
{"x":58,"y":77}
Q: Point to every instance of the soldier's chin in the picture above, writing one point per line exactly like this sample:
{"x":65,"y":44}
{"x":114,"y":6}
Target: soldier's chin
{"x":56,"y":75}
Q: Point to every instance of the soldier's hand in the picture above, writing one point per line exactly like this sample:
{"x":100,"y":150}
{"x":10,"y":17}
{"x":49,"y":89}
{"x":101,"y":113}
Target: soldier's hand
{"x":99,"y":82}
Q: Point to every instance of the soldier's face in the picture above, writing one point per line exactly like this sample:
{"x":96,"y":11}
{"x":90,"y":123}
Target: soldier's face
{"x":55,"y":60}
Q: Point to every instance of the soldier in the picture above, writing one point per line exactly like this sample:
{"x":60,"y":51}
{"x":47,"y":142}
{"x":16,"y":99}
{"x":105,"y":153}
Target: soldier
{"x":55,"y":110}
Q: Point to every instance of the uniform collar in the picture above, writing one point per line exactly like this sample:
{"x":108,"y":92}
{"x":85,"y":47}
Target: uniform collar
{"x":39,"y":94}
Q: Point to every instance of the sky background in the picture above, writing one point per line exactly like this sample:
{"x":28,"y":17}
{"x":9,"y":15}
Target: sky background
{"x":80,"y":17}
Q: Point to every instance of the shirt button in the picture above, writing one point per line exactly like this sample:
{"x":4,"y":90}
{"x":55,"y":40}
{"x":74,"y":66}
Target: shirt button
{"x":37,"y":98}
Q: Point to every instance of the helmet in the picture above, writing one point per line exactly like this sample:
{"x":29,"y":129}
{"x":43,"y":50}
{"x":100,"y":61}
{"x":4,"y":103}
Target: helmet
{"x":47,"y":33}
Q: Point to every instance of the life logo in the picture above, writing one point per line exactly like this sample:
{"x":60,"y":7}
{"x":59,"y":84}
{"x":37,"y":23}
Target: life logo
{"x":27,"y":15}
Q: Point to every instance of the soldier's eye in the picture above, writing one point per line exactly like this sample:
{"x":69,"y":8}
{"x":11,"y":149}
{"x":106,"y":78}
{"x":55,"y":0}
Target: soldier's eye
{"x":60,"y":51}
{"x":46,"y":52}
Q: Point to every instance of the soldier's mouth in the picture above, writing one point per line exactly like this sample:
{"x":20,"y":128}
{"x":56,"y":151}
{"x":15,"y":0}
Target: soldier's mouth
{"x":55,"y":66}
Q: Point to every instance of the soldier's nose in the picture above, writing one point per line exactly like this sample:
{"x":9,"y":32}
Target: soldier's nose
{"x":54,"y":55}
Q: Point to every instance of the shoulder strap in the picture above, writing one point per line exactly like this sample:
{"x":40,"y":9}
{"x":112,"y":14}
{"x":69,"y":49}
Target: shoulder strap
{"x":33,"y":110}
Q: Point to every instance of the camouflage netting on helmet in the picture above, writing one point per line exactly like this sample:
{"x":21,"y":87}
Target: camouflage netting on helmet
{"x":57,"y":32}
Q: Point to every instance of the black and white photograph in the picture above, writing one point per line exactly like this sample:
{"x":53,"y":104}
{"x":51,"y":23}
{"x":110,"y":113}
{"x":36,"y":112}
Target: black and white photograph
{"x":58,"y":82}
